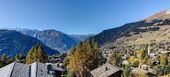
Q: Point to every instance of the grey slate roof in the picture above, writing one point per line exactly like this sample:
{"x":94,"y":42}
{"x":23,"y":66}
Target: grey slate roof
{"x":105,"y":70}
{"x":42,"y":70}
{"x":22,"y":70}
{"x":6,"y":71}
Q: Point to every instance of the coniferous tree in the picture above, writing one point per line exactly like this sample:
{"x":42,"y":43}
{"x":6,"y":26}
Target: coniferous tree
{"x":30,"y":56}
{"x":163,"y":59}
{"x":41,"y":55}
{"x":22,"y":56}
{"x":1,"y":63}
{"x":17,"y":57}
{"x":71,"y":60}
{"x":36,"y":53}
{"x":84,"y":58}
{"x":11,"y":60}
{"x":4,"y":59}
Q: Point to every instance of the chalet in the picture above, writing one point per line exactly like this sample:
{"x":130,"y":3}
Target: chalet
{"x":146,"y":68}
{"x":55,"y":59}
{"x":107,"y":70}
{"x":161,"y":51}
{"x":33,"y":70}
{"x":137,"y":71}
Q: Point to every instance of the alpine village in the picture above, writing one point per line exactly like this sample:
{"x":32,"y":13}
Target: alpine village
{"x":137,"y":49}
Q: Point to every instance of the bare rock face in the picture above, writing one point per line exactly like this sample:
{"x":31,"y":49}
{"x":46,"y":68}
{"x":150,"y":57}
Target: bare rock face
{"x":57,"y":40}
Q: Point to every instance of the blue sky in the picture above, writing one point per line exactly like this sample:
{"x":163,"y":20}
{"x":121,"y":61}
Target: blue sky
{"x":76,"y":16}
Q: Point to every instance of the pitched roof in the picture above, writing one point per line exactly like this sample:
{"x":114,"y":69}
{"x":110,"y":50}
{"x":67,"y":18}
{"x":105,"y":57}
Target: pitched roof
{"x":3,"y":71}
{"x":105,"y":70}
{"x":22,"y":70}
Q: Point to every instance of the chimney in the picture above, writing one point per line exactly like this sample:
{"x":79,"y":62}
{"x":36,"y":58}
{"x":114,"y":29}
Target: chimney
{"x":106,"y":69}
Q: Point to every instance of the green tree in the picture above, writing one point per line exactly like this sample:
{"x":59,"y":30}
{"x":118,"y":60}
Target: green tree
{"x":36,"y":53}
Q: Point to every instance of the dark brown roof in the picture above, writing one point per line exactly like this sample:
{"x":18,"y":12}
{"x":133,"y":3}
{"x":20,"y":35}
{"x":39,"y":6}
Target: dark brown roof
{"x":105,"y":70}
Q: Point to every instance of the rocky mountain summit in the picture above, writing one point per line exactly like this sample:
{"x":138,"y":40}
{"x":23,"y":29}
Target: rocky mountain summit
{"x":57,"y":40}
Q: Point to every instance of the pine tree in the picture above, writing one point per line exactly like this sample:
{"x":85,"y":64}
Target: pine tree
{"x":36,"y":53}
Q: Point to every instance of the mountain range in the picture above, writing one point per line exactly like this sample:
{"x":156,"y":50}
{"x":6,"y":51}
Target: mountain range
{"x":54,"y":39}
{"x":57,"y":40}
{"x":154,"y":29}
{"x":13,"y":42}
